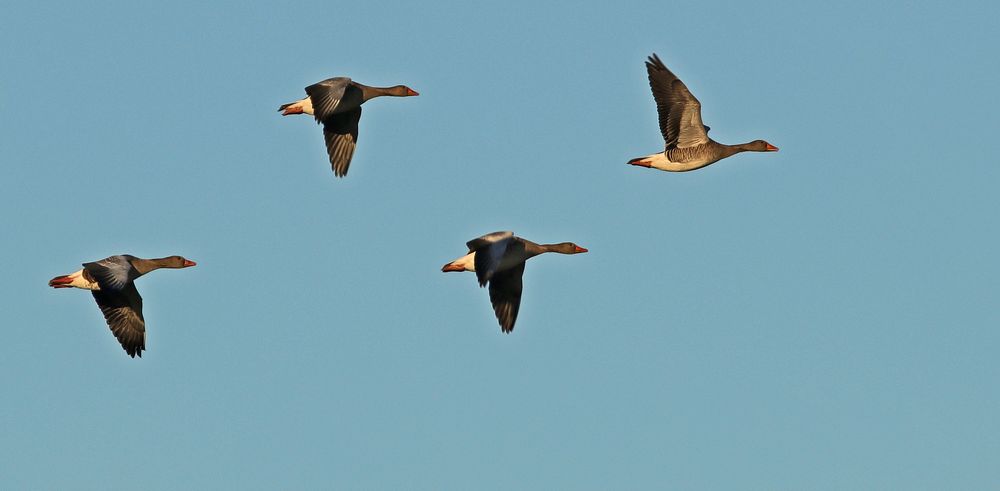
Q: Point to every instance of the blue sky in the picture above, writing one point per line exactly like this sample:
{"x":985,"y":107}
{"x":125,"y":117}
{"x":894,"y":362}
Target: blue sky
{"x":819,"y":318}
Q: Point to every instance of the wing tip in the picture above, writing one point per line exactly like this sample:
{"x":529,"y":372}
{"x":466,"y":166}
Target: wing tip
{"x":653,"y":61}
{"x":507,"y":317}
{"x":134,"y":351}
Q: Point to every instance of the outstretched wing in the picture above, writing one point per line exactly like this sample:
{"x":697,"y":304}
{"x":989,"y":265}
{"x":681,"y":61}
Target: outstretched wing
{"x":326,"y":96}
{"x":679,"y":111}
{"x":341,"y":134}
{"x":489,"y":250}
{"x":505,"y":294}
{"x":123,"y":312}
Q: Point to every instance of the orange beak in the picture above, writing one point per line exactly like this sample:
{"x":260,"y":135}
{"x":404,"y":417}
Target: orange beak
{"x":188,"y":264}
{"x":410,"y":91}
{"x":451,"y":267}
{"x":771,"y":148}
{"x":580,"y":249}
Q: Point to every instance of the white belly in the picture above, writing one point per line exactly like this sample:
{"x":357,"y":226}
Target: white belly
{"x":662,"y":162}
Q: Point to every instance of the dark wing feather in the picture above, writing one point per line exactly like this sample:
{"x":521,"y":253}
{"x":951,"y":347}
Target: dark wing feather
{"x":112,"y":273}
{"x":488,"y":239}
{"x":490,"y":250}
{"x":505,"y":294}
{"x":341,"y":134}
{"x":679,"y":111}
{"x":123,"y":312}
{"x":326,"y":96}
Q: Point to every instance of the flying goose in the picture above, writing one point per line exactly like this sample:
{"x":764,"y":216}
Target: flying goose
{"x":688,"y":144}
{"x":336,"y":102}
{"x":111,"y":282}
{"x":498,"y":259}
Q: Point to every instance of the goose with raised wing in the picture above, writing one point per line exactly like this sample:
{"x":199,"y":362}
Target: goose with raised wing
{"x":688,"y":146}
{"x":336,"y":103}
{"x":498,"y":260}
{"x":111,"y":280}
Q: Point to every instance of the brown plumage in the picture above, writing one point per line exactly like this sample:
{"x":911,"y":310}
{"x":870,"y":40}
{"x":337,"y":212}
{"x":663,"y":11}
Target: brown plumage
{"x":687,"y":145}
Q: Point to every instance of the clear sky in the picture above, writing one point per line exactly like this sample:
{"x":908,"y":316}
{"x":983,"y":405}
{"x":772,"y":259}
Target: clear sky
{"x":820,"y":318}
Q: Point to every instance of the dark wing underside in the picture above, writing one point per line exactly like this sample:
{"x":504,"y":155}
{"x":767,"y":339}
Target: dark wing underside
{"x":123,"y":312}
{"x":326,"y":96}
{"x":341,"y":134}
{"x":505,"y":294}
{"x":679,"y":111}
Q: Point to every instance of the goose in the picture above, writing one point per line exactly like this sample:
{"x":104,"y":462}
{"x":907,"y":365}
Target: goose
{"x":498,"y":259}
{"x":111,"y":282}
{"x":688,"y":145}
{"x":336,"y":102}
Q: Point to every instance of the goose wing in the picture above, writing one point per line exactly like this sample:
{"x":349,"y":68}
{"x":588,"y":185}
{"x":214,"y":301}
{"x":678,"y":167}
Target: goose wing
{"x":112,"y":273}
{"x":505,"y":294}
{"x":341,"y":134}
{"x":489,"y":250}
{"x":326,"y":96}
{"x":678,"y":109}
{"x":122,"y":310}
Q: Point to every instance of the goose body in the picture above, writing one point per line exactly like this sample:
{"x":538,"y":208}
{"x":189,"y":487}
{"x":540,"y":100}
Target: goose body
{"x":336,"y":103}
{"x":688,"y":146}
{"x":498,"y":260}
{"x":111,"y":281}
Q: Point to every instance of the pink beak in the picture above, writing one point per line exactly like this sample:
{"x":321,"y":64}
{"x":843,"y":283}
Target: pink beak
{"x":188,"y":264}
{"x":410,"y":91}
